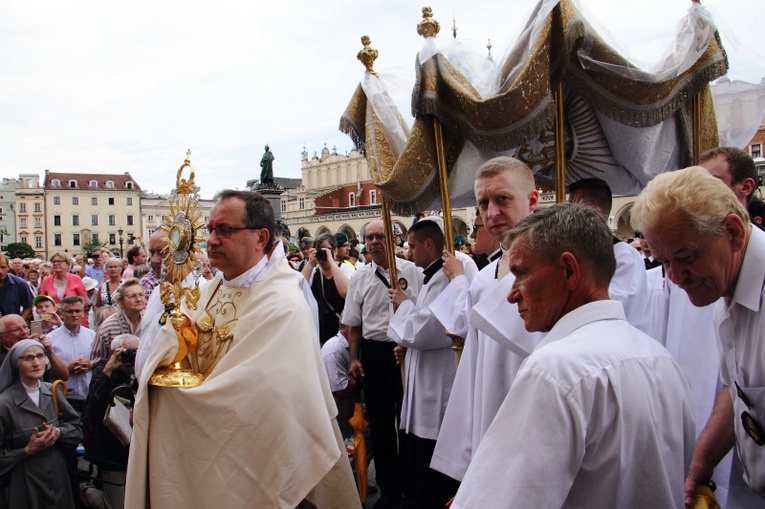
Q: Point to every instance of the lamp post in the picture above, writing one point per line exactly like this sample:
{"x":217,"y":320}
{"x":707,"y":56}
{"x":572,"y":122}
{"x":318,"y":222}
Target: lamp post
{"x":120,"y":231}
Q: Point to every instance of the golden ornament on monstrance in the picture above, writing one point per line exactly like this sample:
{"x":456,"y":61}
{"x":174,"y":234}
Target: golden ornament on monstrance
{"x":180,"y":259}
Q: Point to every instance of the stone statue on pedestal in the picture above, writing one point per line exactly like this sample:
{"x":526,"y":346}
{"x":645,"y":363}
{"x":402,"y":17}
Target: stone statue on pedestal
{"x":267,"y":163}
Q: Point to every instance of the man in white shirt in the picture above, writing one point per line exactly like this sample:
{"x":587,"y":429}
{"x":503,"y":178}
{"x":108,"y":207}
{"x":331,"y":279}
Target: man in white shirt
{"x":702,"y":235}
{"x":429,"y":363}
{"x":367,"y":311}
{"x":599,"y":415}
{"x":72,"y":343}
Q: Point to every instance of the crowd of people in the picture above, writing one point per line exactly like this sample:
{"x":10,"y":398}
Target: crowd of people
{"x":589,"y":375}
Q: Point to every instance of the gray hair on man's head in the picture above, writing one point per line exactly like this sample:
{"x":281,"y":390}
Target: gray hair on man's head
{"x":703,"y":199}
{"x":568,"y":227}
{"x":120,"y":340}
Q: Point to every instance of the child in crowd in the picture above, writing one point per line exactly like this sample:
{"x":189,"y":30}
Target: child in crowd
{"x":45,"y":310}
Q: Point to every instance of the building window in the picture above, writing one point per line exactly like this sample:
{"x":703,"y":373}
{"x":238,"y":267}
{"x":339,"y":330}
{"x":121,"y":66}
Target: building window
{"x":75,"y":220}
{"x":150,"y":218}
{"x":111,"y":201}
{"x":112,"y":220}
{"x":129,"y":220}
{"x":284,"y":206}
{"x":301,"y":203}
{"x":373,"y":197}
{"x":56,"y":220}
{"x":22,"y":207}
{"x":351,"y":199}
{"x":109,"y":184}
{"x":24,"y":239}
{"x":22,"y":223}
{"x":72,"y":183}
{"x":38,"y":222}
{"x":38,"y":241}
{"x":756,"y":150}
{"x":75,"y":200}
{"x":112,"y":239}
{"x":94,"y":220}
{"x":129,"y":185}
{"x":56,"y":200}
{"x":94,"y":201}
{"x":56,"y":239}
{"x":29,"y":183}
{"x":129,"y":201}
{"x":38,"y":207}
{"x":55,"y":183}
{"x":151,"y":232}
{"x":95,"y":237}
{"x":76,"y":239}
{"x":94,"y":184}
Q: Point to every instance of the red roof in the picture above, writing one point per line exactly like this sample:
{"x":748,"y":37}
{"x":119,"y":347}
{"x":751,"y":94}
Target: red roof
{"x":83,"y":181}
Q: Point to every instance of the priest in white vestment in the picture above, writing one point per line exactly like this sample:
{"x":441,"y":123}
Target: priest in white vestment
{"x":260,"y":431}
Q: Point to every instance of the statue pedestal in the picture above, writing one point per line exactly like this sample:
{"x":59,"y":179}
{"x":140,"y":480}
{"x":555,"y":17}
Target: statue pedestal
{"x":272,"y":194}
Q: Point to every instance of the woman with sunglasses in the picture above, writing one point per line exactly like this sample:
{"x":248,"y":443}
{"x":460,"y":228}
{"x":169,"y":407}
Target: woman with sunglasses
{"x":35,"y":439}
{"x":61,"y":283}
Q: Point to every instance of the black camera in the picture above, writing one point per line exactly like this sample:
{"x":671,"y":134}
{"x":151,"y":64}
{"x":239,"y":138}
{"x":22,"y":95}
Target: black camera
{"x":321,"y":254}
{"x":128,"y":356}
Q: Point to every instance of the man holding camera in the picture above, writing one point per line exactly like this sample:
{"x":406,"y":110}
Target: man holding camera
{"x":72,"y":343}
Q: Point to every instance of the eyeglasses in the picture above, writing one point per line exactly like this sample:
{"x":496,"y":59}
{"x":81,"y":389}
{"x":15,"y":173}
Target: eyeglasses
{"x":73,"y":311}
{"x":32,"y":358}
{"x":225,"y":232}
{"x":16,"y":330}
{"x":136,"y":296}
{"x":378,"y":237}
{"x":477,"y":227}
{"x":56,"y":262}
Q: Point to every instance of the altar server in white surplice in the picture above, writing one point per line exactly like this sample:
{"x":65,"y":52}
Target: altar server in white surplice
{"x":429,"y":363}
{"x":260,"y":431}
{"x":629,"y":284}
{"x":505,"y":193}
{"x":599,"y":415}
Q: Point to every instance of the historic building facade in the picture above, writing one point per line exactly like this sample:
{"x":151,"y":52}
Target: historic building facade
{"x":8,"y":188}
{"x":81,"y":208}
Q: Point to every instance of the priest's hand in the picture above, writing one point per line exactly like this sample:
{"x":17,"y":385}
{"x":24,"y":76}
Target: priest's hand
{"x":356,"y":370}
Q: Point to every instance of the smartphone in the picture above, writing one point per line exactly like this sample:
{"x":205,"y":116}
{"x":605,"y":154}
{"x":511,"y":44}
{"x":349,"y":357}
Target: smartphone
{"x":36,"y":328}
{"x":46,"y":316}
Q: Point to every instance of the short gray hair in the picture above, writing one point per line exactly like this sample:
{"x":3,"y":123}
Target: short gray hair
{"x":705,"y":200}
{"x":120,"y":339}
{"x":573,"y":228}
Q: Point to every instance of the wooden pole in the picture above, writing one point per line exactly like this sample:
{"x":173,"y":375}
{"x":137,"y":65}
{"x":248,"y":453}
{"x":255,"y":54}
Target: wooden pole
{"x":443,"y":182}
{"x":696,"y":126}
{"x":560,"y":147}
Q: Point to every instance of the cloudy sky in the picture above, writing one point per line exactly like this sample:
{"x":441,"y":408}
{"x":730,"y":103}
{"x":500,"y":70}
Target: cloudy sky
{"x":111,"y":87}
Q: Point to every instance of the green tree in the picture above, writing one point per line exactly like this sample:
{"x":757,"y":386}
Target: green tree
{"x":88,"y":247}
{"x":19,"y":250}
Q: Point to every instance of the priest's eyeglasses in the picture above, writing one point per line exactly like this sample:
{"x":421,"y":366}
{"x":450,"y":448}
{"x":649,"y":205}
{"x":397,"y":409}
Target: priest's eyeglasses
{"x":225,"y":232}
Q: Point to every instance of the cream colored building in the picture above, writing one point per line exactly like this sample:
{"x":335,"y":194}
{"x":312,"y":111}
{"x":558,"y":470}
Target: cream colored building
{"x":30,"y":213}
{"x":82,"y":207}
{"x":155,"y":206}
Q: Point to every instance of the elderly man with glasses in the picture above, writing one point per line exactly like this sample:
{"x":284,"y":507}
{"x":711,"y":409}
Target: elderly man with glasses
{"x":13,"y":329}
{"x":72,"y":343}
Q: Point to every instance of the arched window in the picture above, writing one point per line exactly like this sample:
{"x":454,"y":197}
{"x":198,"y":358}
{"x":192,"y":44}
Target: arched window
{"x":109,"y":184}
{"x":93,"y":184}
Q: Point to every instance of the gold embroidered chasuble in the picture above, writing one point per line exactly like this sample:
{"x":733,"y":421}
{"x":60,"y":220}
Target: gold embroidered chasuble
{"x":260,"y":431}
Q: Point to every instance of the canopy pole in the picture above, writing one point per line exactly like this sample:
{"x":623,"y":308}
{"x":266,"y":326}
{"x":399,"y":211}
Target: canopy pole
{"x":390,"y":243}
{"x":696,"y":126}
{"x":560,"y":146}
{"x":429,"y":27}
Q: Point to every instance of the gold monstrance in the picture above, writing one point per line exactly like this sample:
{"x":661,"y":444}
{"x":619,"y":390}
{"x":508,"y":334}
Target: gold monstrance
{"x":181,"y":247}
